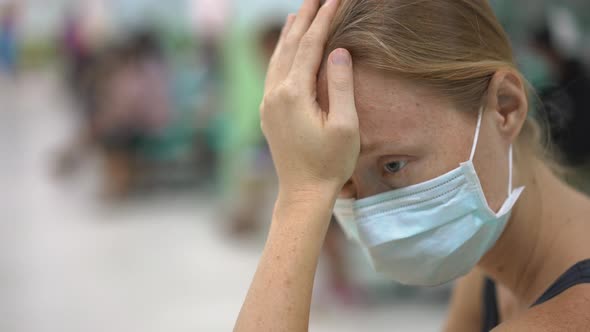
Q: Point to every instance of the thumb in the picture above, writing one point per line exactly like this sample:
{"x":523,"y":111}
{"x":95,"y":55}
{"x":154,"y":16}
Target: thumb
{"x":341,"y":86}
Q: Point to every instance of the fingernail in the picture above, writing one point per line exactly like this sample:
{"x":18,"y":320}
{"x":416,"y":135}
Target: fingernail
{"x":328,"y":2}
{"x":341,"y":57}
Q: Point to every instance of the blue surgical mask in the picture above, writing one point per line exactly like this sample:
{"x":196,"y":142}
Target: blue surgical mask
{"x":430,"y":233}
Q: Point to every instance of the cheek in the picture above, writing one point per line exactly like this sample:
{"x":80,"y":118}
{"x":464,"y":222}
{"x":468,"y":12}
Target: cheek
{"x":368,"y":180}
{"x":492,"y":165}
{"x":444,"y":148}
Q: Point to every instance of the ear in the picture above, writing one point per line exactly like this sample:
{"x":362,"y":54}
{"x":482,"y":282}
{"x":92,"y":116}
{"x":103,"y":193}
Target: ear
{"x":507,"y":98}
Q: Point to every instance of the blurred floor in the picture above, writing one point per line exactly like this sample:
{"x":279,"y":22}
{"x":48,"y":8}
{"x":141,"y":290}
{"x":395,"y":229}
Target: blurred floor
{"x":69,"y":263}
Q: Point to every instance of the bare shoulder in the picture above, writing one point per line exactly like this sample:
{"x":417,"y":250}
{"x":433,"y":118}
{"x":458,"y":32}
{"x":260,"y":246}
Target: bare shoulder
{"x":566,"y":312}
{"x":465,"y":306}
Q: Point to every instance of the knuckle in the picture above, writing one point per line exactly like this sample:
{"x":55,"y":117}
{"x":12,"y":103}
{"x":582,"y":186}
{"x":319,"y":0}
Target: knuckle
{"x":346,"y":129}
{"x":290,"y":43}
{"x":288,"y":92}
{"x":284,"y":94}
{"x":262,"y":127}
{"x":275,"y":97}
{"x":262,"y":107}
{"x":270,"y":98}
{"x":308,"y":41}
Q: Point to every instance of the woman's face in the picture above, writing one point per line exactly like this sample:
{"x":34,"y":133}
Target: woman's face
{"x":409,"y":135}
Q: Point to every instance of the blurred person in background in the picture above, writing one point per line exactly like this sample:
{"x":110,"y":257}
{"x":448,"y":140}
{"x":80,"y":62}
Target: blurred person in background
{"x":127,"y":102}
{"x":412,"y":117}
{"x":78,"y":55}
{"x":8,"y":38}
{"x":81,"y":65}
{"x":133,"y":104}
{"x":256,"y":180}
{"x":210,"y":91}
{"x":566,"y":101}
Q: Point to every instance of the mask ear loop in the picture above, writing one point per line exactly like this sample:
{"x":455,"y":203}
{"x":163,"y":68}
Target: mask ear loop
{"x":510,"y":165}
{"x":476,"y":138}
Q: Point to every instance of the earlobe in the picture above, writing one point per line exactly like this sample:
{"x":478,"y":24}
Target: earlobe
{"x":507,"y":97}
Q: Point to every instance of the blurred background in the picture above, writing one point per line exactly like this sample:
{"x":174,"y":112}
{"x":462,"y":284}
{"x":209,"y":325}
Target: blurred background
{"x":137,"y":188}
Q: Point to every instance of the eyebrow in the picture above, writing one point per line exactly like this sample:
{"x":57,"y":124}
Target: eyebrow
{"x":370,"y":147}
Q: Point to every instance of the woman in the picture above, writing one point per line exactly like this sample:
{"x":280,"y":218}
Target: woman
{"x":420,"y":134}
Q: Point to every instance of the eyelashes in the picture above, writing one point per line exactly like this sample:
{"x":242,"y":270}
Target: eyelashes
{"x":394,"y":167}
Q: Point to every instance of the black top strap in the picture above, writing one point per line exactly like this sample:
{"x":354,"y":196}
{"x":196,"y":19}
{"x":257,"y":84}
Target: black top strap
{"x":577,"y":274}
{"x":490,"y":313}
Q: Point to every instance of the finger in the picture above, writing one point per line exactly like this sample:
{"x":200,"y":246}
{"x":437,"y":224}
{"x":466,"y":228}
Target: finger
{"x":275,"y":70}
{"x":290,"y":20}
{"x":311,"y":48}
{"x":305,"y":17}
{"x":341,"y":86}
{"x":284,"y":32}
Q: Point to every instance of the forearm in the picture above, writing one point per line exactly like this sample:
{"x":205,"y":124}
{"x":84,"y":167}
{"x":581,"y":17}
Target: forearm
{"x":280,"y":295}
{"x":310,"y":151}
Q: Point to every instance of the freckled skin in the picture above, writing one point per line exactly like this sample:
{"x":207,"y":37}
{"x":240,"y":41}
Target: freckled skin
{"x":411,"y":120}
{"x":417,"y":135}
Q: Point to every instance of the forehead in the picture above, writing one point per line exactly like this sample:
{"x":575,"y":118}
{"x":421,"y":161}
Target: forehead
{"x":399,"y":111}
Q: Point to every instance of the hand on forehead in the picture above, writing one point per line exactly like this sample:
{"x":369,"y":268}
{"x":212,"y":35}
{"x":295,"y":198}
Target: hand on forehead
{"x":394,"y":111}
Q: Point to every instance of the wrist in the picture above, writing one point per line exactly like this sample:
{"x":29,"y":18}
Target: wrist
{"x":314,"y":202}
{"x":305,"y":194}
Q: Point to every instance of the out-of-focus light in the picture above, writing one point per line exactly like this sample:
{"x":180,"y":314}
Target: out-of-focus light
{"x":565,"y":31}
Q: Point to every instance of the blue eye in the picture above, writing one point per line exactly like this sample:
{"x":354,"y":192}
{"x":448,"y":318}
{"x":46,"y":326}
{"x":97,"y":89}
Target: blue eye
{"x":395,"y":166}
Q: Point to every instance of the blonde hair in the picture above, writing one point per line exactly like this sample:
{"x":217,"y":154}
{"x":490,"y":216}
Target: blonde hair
{"x":454,"y":46}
